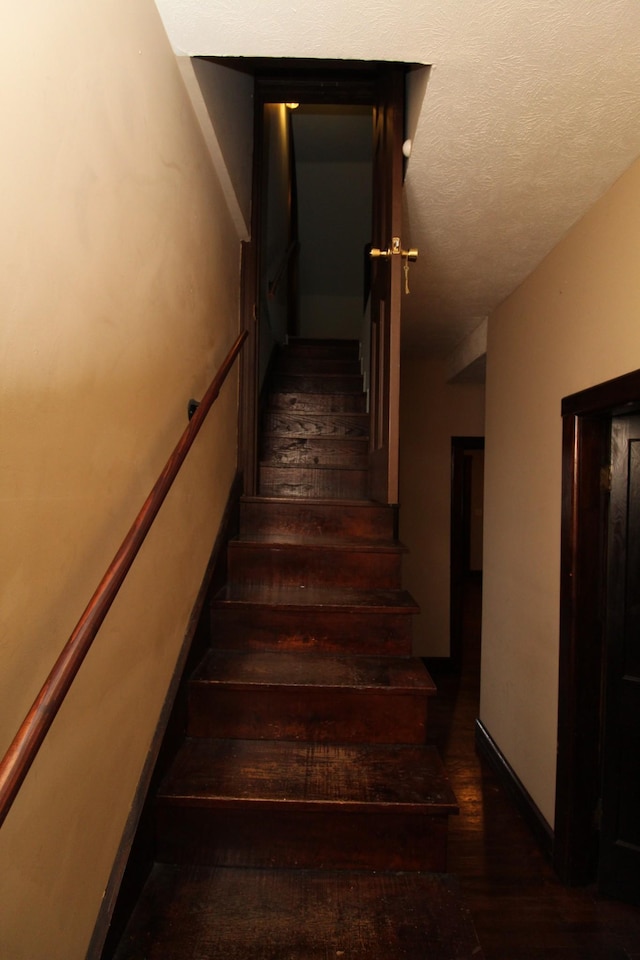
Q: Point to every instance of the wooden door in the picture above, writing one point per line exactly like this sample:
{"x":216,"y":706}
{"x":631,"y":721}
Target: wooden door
{"x":461,"y":450}
{"x":619,"y":858}
{"x":386,"y":287}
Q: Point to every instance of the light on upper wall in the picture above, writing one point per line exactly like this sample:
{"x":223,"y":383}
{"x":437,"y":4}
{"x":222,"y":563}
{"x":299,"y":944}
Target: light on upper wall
{"x":292,"y":106}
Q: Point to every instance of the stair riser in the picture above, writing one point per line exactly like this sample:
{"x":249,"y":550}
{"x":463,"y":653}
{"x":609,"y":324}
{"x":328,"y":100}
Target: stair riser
{"x":316,"y":383}
{"x":368,"y":522}
{"x":256,"y":628}
{"x":251,"y":836}
{"x":297,"y":566}
{"x":317,"y":451}
{"x":306,"y":482}
{"x":317,"y":714}
{"x":315,"y":365}
{"x":319,"y":402}
{"x":301,"y":424}
{"x":326,"y":349}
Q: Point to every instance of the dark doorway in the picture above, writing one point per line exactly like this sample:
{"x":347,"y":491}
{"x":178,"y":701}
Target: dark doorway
{"x":619,"y":854}
{"x":598,"y":731}
{"x":342,"y":87}
{"x":467,"y":484}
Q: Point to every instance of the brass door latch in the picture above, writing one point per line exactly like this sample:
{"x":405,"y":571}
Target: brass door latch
{"x":395,"y":249}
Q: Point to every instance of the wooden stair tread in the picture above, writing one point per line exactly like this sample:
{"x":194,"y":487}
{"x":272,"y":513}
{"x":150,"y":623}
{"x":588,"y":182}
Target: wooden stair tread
{"x":301,"y":364}
{"x":293,"y":468}
{"x":329,"y":542}
{"x":312,"y":423}
{"x":342,"y":600}
{"x":317,"y":382}
{"x":323,"y":342}
{"x":268,"y":669}
{"x":363,"y":504}
{"x":338,"y":402}
{"x":317,"y":442}
{"x":305,"y":451}
{"x":232,"y":914}
{"x":310,"y":480}
{"x":269,"y":774}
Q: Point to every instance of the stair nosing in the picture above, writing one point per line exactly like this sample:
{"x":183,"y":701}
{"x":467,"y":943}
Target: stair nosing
{"x":275,"y":464}
{"x":320,"y":501}
{"x":438,"y":798}
{"x":311,"y":543}
{"x":296,"y":600}
{"x":425,"y":808}
{"x":205,"y":676}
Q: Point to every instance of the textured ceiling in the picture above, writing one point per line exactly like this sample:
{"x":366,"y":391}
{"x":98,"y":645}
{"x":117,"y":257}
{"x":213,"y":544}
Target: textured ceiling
{"x":532,"y":109}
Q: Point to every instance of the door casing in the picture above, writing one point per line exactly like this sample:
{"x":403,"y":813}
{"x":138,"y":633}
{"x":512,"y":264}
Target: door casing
{"x":586,"y":433}
{"x":333,"y":82}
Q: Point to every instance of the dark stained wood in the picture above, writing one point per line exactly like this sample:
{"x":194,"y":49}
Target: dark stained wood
{"x":312,"y":81}
{"x":25,"y":745}
{"x":300,"y":915}
{"x":585,"y":453}
{"x":382,"y":674}
{"x":313,"y":713}
{"x":386,"y":290}
{"x":619,"y":849}
{"x":285,"y":804}
{"x":304,"y":752}
{"x":310,"y":383}
{"x":604,"y":398}
{"x":509,"y":780}
{"x":520,"y":908}
{"x":319,"y":451}
{"x":311,"y":424}
{"x":311,"y":837}
{"x":323,"y":347}
{"x":586,"y":438}
{"x":288,"y":361}
{"x":326,"y":599}
{"x":268,"y":695}
{"x":318,"y":518}
{"x":279,"y":774}
{"x":458,"y":566}
{"x":252,"y":624}
{"x":372,"y":566}
{"x":319,"y":402}
{"x":291,"y":480}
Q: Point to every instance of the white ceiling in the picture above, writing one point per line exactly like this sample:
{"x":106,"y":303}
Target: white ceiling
{"x":532,"y":109}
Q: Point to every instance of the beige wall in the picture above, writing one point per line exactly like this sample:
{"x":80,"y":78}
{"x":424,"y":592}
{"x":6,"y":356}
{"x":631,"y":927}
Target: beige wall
{"x":574,"y":323}
{"x":119,"y":271}
{"x":432,"y":411}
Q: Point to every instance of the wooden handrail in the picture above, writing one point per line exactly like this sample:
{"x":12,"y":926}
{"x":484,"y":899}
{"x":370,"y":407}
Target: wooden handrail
{"x":22,"y":752}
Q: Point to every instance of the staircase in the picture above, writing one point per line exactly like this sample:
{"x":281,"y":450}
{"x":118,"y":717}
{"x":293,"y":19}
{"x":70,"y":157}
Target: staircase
{"x":315,"y":435}
{"x":304,"y":818}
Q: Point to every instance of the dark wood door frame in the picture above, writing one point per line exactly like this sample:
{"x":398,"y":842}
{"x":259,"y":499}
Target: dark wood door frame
{"x":278,"y":81}
{"x":386,"y":287}
{"x":586,"y":433}
{"x":457,"y":560}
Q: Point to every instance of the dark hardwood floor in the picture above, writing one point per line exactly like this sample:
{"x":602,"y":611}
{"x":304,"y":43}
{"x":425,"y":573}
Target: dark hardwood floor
{"x":520,"y":910}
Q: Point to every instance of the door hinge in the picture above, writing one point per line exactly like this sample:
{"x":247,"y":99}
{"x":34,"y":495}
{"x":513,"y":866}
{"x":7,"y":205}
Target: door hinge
{"x":606,"y":476}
